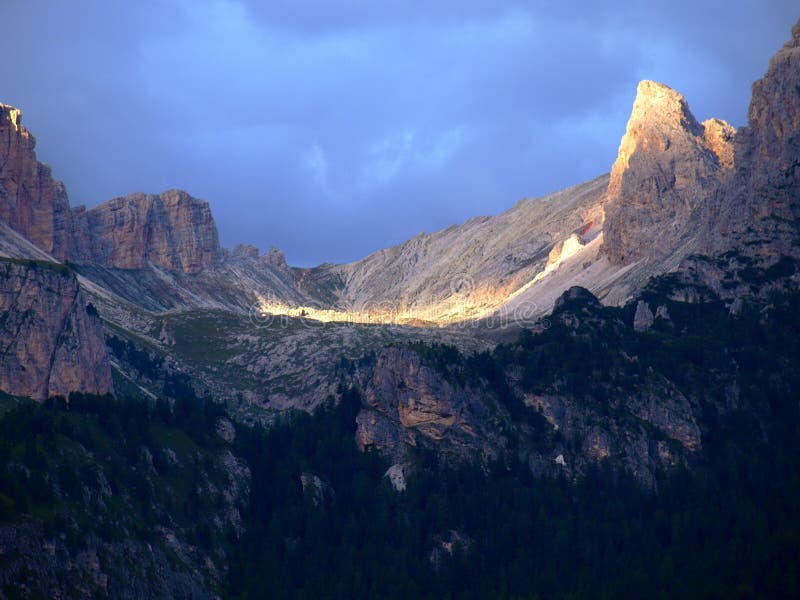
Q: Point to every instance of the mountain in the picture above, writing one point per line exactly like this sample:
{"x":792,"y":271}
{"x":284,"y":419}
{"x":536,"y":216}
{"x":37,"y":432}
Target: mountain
{"x":678,"y":191}
{"x":667,"y":166}
{"x":590,"y":394}
{"x":465,"y":271}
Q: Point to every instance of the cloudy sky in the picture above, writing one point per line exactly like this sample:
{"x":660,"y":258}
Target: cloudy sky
{"x":333,"y":128}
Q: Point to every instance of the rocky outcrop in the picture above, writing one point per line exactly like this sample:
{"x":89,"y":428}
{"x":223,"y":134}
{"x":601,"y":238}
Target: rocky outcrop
{"x":170,"y":230}
{"x":759,"y":212}
{"x":668,"y":165}
{"x":720,"y":137}
{"x":408,"y":402}
{"x":658,"y":430}
{"x":397,"y":477}
{"x":316,"y":489}
{"x":275,"y":258}
{"x":31,"y":201}
{"x":51,"y":340}
{"x":643,"y":319}
{"x":452,"y":405}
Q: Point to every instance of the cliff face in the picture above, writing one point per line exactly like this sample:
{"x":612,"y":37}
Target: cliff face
{"x":408,"y":402}
{"x":171,"y":230}
{"x":31,"y":201}
{"x":453,"y":405}
{"x":668,"y":165}
{"x":759,"y":212}
{"x":51,"y":344}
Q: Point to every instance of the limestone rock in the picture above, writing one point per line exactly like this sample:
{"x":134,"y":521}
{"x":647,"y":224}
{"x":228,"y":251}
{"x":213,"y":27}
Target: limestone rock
{"x":396,"y":477}
{"x":668,"y":164}
{"x":564,"y":249}
{"x":318,"y":490}
{"x":662,"y":312}
{"x":760,"y":209}
{"x":274,"y":258}
{"x":52,"y":340}
{"x":720,"y":138}
{"x":462,"y":272}
{"x":171,"y":230}
{"x":31,"y":201}
{"x":420,"y":399}
{"x":409,"y":403}
{"x":245,"y":251}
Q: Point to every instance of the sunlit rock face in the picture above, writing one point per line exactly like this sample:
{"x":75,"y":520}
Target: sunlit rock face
{"x":668,"y":164}
{"x":720,"y":139}
{"x":760,"y":209}
{"x":31,"y":201}
{"x":413,"y":396}
{"x":463,"y":272}
{"x":171,"y":230}
{"x":52,"y":343}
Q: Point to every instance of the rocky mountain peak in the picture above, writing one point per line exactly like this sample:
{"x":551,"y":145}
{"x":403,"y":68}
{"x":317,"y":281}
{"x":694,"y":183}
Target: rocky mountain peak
{"x":667,"y":165}
{"x":14,"y":117}
{"x":774,"y":113}
{"x":763,"y":199}
{"x":31,"y":201}
{"x":658,"y":106}
{"x":274,"y":258}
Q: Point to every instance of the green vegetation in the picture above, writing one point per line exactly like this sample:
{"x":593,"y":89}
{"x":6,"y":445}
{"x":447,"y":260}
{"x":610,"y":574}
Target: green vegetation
{"x":727,"y":528}
{"x":112,"y":471}
{"x":730,"y":529}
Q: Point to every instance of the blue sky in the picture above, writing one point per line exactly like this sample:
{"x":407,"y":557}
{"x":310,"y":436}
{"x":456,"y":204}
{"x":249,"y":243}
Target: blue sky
{"x":334,"y":128}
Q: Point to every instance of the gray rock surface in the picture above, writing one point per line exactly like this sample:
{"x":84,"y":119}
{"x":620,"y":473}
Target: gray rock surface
{"x":51,"y":341}
{"x":668,"y":165}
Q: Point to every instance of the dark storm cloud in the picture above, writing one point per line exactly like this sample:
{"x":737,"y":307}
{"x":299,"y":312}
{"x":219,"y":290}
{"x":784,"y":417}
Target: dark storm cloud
{"x":332,"y":129}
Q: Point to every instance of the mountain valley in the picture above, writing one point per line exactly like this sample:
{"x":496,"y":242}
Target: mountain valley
{"x":204,"y":414}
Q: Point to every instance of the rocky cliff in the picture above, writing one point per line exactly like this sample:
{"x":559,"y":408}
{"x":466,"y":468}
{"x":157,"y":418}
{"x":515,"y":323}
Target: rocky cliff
{"x":51,"y":340}
{"x":758,"y":213}
{"x":668,"y":165}
{"x":568,"y":396}
{"x":171,"y":230}
{"x":31,"y":201}
{"x":407,"y":402}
